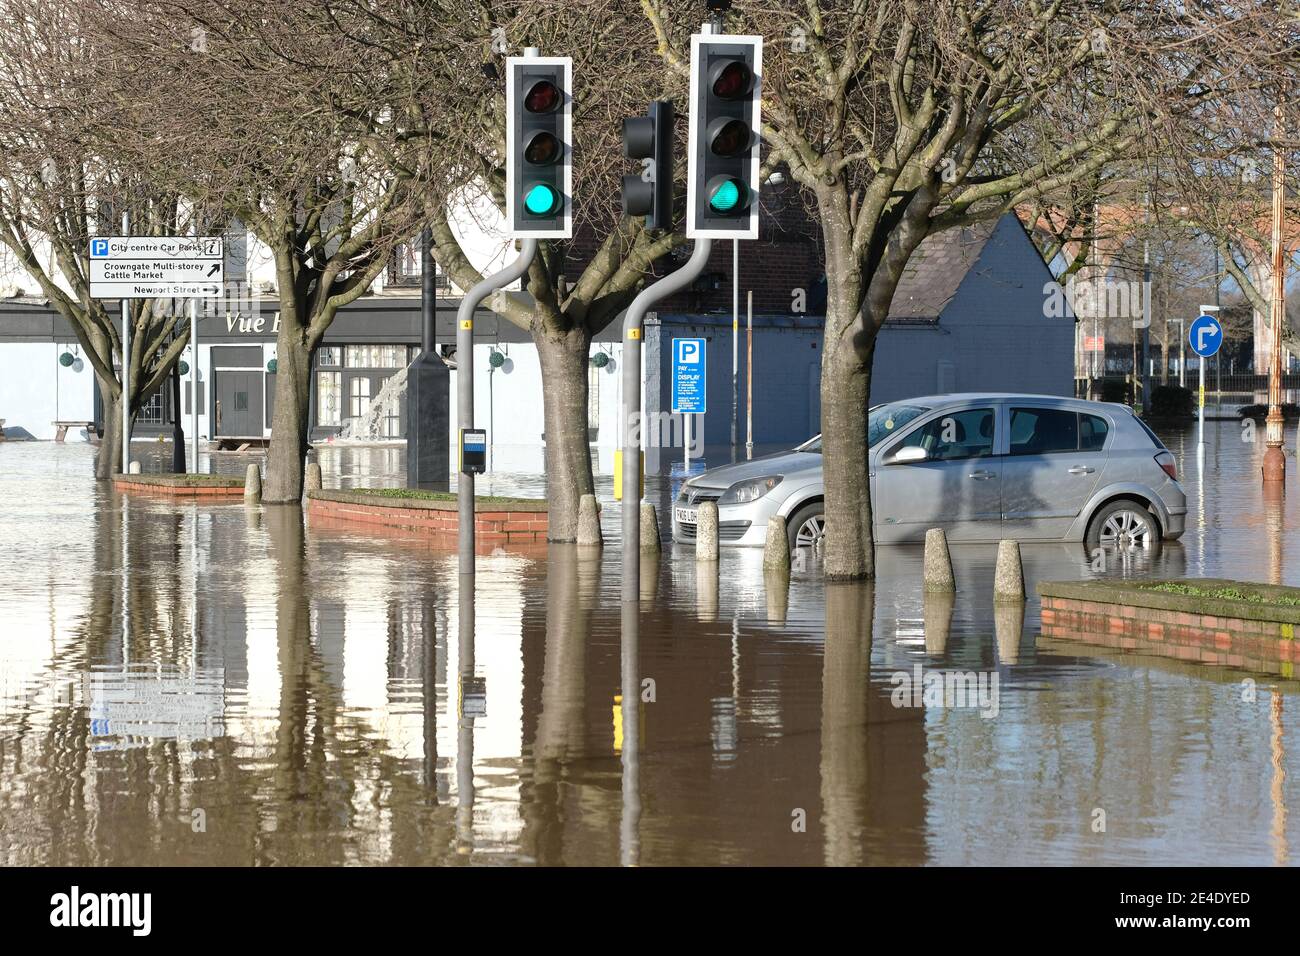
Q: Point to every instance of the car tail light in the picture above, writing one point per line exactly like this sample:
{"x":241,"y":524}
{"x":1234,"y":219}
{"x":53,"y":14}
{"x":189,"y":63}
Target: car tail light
{"x":1167,"y":461}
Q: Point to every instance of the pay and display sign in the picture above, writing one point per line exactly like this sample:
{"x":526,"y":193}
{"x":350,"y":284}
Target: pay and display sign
{"x":154,"y":267}
{"x":690,"y":376}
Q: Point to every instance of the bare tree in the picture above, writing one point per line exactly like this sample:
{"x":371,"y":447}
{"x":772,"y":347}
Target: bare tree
{"x":905,"y":117}
{"x":267,"y":123}
{"x":61,"y":182}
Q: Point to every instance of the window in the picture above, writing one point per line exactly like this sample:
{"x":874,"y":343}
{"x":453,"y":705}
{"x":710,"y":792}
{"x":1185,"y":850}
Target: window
{"x":392,"y":424}
{"x":1040,"y":431}
{"x":359,"y":396}
{"x":404,"y":268}
{"x":376,"y":356}
{"x":1092,"y":432}
{"x":329,"y":356}
{"x":593,"y":397}
{"x":153,"y":411}
{"x":329,"y":396}
{"x":241,"y":401}
{"x":964,"y":434}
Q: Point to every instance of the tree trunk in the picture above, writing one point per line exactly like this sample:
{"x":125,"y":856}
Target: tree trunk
{"x":848,"y":344}
{"x":108,"y":460}
{"x":287,"y":457}
{"x":847,"y":550}
{"x":563,"y":358}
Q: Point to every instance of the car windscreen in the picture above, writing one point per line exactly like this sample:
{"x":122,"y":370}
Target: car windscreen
{"x":888,"y":419}
{"x":882,"y":420}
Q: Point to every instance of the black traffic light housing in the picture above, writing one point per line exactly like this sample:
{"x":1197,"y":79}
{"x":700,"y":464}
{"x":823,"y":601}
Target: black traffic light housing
{"x":650,"y":192}
{"x":539,"y":147}
{"x":722,"y":196}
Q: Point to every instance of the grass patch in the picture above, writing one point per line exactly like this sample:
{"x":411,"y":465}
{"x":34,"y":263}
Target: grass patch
{"x":420,"y":494}
{"x":1222,"y":593}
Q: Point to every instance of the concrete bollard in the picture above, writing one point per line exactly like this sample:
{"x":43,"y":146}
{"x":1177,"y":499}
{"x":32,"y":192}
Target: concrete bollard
{"x":1009,"y":577}
{"x":706,"y":532}
{"x":776,"y":549}
{"x":313,"y":481}
{"x":134,"y":468}
{"x":253,"y":485}
{"x":649,"y":528}
{"x":589,"y":522}
{"x":936,"y":569}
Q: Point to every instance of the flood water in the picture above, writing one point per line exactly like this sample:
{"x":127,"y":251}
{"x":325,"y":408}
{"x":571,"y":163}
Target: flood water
{"x":220,"y":685}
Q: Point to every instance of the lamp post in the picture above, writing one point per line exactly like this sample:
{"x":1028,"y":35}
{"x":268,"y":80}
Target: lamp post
{"x":1274,"y":459}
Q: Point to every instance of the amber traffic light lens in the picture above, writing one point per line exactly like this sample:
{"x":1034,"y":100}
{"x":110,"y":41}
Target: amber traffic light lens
{"x":729,"y":138}
{"x":542,"y":149}
{"x":542,"y":97}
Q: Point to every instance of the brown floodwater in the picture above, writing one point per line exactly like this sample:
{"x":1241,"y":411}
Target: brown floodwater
{"x":211,"y":684}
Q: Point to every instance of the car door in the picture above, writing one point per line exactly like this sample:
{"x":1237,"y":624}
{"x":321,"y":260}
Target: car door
{"x":957,"y":487}
{"x":1054,"y":458}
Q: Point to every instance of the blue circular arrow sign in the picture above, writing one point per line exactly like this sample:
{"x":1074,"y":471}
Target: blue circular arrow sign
{"x":1205,"y":336}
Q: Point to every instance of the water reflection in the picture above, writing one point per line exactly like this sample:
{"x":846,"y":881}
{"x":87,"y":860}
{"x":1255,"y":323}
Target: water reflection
{"x":224,"y":685}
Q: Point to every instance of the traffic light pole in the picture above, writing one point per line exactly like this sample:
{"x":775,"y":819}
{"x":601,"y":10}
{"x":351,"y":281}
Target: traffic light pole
{"x":465,"y":389}
{"x":632,"y":331}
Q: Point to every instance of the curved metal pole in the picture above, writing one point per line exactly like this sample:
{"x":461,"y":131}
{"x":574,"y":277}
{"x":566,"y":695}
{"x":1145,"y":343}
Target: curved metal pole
{"x":632,"y":321}
{"x":465,"y":387}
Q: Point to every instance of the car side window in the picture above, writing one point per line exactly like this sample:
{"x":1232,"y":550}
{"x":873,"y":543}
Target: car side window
{"x":1040,"y":431}
{"x":1092,"y":432}
{"x":964,"y":434}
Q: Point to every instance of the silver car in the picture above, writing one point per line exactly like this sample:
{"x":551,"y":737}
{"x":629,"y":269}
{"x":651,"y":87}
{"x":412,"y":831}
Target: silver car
{"x":979,"y":466}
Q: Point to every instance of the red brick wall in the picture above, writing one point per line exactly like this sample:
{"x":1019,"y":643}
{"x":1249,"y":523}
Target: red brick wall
{"x":206,"y":492}
{"x":1266,"y":646}
{"x":490,"y":527}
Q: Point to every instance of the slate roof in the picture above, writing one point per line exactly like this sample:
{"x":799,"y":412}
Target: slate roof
{"x":936,"y":269}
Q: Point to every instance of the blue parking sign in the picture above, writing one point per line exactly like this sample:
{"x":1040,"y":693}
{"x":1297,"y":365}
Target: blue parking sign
{"x":99,"y":248}
{"x":690,"y":376}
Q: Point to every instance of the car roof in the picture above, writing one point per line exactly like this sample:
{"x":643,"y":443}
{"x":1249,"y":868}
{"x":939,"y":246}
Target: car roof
{"x":1001,"y":397}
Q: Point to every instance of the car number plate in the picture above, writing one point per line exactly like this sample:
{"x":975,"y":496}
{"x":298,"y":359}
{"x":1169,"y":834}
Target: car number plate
{"x":684,"y":515}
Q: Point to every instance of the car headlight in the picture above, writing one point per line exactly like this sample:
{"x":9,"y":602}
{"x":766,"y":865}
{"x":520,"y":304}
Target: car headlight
{"x":743,"y":492}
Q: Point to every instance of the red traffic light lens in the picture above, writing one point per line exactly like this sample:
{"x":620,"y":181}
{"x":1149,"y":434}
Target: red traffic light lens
{"x":542,"y":149}
{"x":732,"y":81}
{"x":542,"y":97}
{"x":728,"y":137}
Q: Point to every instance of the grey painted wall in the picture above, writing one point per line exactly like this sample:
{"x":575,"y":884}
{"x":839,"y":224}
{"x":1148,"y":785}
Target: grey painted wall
{"x":992,"y":336}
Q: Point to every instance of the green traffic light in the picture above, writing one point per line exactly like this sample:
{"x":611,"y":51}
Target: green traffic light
{"x":726,"y":197}
{"x":541,"y":200}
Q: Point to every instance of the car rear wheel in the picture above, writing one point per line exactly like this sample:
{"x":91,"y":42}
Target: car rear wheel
{"x":1123,"y":525}
{"x":807,"y":526}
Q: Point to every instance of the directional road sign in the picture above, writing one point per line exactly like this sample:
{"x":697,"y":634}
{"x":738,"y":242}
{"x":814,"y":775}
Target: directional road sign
{"x":1205,"y":335}
{"x":152,"y":267}
{"x":689,"y":376}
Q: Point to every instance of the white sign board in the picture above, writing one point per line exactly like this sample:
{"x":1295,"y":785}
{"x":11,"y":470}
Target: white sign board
{"x":154,"y":267}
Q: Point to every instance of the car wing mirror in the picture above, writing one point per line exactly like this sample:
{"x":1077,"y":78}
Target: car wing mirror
{"x":912,"y":453}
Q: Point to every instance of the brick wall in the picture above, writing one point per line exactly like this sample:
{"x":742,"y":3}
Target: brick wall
{"x":205,"y":491}
{"x":490,"y":527}
{"x":1264,"y":646}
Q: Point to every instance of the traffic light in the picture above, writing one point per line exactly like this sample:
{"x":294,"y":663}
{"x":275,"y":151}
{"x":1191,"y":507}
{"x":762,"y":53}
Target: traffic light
{"x":722,"y":196}
{"x":650,"y":192}
{"x":539,"y":147}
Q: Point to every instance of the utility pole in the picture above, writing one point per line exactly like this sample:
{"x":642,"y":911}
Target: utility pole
{"x":735,"y":345}
{"x":1274,"y":459}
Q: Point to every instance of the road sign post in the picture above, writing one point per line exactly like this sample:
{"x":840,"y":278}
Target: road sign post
{"x":1205,"y":336}
{"x":153,"y":267}
{"x":690,"y":381}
